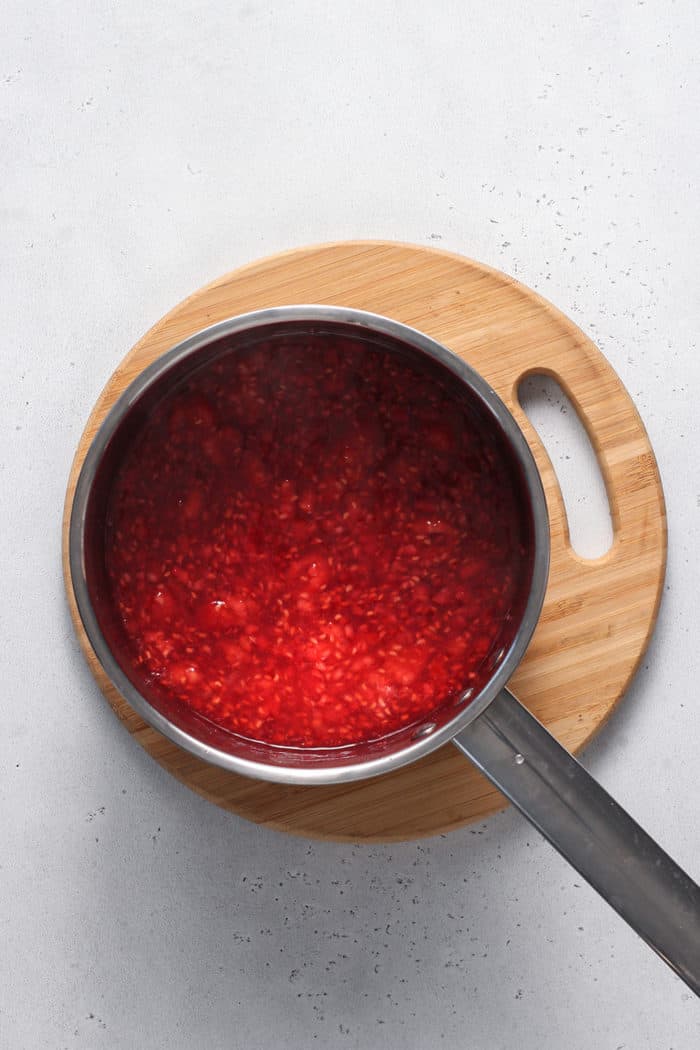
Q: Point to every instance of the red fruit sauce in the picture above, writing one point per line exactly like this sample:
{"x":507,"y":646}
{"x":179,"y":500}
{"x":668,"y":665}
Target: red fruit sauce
{"x":315,"y":542}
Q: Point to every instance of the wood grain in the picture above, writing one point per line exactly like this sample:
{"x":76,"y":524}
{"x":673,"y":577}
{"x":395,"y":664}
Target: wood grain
{"x":598,"y":615}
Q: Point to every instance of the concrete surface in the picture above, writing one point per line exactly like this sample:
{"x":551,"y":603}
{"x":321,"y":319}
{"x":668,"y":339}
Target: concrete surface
{"x":145,"y":149}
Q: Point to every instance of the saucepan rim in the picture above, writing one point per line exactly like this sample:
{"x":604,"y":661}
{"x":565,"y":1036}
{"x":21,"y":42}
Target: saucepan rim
{"x":297,"y":315}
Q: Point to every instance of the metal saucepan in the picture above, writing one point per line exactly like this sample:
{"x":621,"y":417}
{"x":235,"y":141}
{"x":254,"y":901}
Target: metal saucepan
{"x":494,"y":730}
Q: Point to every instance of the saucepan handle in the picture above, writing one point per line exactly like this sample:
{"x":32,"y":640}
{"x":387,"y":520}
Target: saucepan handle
{"x":598,"y":838}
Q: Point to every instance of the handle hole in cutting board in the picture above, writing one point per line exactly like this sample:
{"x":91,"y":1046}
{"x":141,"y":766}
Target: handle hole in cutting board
{"x":576,"y":465}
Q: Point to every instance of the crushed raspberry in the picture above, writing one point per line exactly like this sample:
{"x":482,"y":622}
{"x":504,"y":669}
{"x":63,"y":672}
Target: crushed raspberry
{"x":317,"y":542}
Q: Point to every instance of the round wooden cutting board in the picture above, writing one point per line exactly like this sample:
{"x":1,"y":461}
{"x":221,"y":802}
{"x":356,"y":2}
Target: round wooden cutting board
{"x":598,"y":615}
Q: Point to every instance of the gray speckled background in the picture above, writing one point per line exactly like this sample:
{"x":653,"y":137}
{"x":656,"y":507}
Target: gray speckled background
{"x":148,"y":147}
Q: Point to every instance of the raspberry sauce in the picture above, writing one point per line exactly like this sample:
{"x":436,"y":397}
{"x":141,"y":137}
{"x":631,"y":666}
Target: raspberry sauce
{"x":314,"y":542}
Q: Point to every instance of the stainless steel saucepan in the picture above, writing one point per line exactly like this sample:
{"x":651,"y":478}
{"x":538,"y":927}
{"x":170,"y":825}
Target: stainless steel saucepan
{"x":493,"y":730}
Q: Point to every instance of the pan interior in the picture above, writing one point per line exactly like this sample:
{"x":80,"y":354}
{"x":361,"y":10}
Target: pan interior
{"x":309,"y":545}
